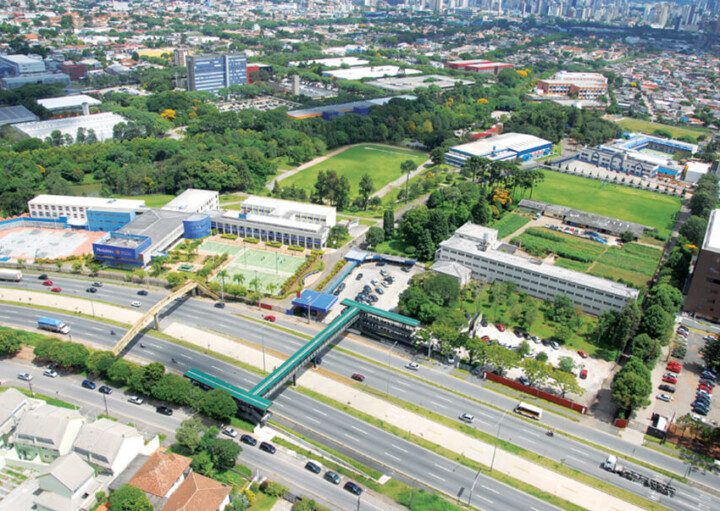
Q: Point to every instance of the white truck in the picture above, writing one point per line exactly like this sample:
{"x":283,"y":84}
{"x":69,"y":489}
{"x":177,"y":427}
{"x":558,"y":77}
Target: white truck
{"x":14,"y":275}
{"x":611,"y":465}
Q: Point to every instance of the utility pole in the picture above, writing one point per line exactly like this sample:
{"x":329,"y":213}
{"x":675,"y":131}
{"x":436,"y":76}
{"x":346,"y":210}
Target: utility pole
{"x":497,"y":440}
{"x":106,"y":406}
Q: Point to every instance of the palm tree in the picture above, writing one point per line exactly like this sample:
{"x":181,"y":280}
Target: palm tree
{"x":407,"y":167}
{"x":221,"y":275}
{"x":255,"y":284}
{"x":271,"y":288}
{"x":239,"y":278}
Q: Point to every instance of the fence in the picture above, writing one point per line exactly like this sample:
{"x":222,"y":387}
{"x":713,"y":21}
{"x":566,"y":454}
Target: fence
{"x":567,"y":403}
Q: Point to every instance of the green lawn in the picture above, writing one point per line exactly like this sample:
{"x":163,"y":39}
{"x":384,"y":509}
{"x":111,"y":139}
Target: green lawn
{"x":157,"y":200}
{"x":509,"y":223}
{"x":382,"y":163}
{"x":649,"y":127}
{"x":616,"y":201}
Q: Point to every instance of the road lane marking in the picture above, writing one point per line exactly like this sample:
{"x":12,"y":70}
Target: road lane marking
{"x":321,"y":413}
{"x":438,"y":404}
{"x":400,"y":382}
{"x":491,"y":490}
{"x":350,"y":436}
{"x":312,"y":419}
{"x":217,"y":368}
{"x":360,"y":430}
{"x":398,"y":448}
{"x":571,"y":457}
{"x":183,"y":355}
{"x":528,"y":441}
{"x":436,"y":477}
{"x":444,"y":399}
{"x":400,"y":390}
{"x":531,"y":433}
{"x":391,"y":456}
{"x":485,"y":499}
{"x":442,"y":468}
{"x":579,"y":451}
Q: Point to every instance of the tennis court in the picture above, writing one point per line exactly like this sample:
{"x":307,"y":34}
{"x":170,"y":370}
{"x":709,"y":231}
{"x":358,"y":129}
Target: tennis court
{"x":269,"y":268}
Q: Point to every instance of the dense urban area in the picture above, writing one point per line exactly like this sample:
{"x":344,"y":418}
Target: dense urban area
{"x":375,"y":255}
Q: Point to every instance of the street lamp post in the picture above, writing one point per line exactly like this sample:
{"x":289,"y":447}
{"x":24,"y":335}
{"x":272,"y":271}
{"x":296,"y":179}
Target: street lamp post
{"x":497,"y":439}
{"x":32,"y":392}
{"x":262,"y":340}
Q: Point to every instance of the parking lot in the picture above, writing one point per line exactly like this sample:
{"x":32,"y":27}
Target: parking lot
{"x":388,"y":299}
{"x":685,"y":387}
{"x":597,"y":370}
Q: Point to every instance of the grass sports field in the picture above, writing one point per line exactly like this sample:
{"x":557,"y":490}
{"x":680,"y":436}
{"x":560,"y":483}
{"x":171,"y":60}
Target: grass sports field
{"x":270,"y":268}
{"x":382,"y":163}
{"x":649,"y":127}
{"x":632,"y":264}
{"x":616,"y":201}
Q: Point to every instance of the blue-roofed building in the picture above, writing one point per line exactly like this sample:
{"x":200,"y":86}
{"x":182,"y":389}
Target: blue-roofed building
{"x":505,"y":147}
{"x":318,"y":303}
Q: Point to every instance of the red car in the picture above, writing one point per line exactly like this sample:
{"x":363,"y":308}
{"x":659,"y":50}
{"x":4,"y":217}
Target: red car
{"x":47,"y":283}
{"x":674,"y":367}
{"x":500,"y":327}
{"x":669,"y":379}
{"x":358,"y":377}
{"x":706,"y":388}
{"x":582,"y":353}
{"x":269,"y":318}
{"x":56,"y":290}
{"x":583,"y":374}
{"x":485,"y":338}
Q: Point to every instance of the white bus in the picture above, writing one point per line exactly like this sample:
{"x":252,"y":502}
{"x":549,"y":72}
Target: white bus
{"x":530,"y":411}
{"x":15,"y":275}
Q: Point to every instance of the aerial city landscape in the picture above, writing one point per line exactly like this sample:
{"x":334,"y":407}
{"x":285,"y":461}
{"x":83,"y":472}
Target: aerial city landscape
{"x":427,"y":255}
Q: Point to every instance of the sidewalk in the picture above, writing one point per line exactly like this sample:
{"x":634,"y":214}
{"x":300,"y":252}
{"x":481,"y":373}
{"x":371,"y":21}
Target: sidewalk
{"x":515,"y":466}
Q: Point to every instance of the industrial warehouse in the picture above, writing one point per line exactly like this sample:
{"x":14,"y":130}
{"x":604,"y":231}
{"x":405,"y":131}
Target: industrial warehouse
{"x":508,"y":146}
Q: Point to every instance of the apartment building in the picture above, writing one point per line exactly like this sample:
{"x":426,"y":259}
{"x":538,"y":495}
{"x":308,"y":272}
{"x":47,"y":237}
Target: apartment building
{"x":211,"y":73}
{"x":703,"y":297}
{"x":477,"y":248}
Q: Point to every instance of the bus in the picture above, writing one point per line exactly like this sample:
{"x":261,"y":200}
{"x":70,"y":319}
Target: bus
{"x":530,"y":411}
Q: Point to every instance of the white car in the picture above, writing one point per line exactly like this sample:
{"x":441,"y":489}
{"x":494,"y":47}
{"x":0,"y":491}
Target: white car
{"x":467,"y":417}
{"x":664,"y":397}
{"x":25,"y":376}
{"x":136,"y":400}
{"x":135,"y":303}
{"x":413,"y":366}
{"x":229,"y":432}
{"x":51,"y":373}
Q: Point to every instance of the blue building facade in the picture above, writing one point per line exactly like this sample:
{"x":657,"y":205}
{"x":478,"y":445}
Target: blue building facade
{"x":210,"y":73}
{"x":195,"y":227}
{"x":122,"y":249}
{"x":107,"y":220}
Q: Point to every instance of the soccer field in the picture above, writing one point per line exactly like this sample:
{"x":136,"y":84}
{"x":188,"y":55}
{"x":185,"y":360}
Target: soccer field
{"x":616,"y":201}
{"x":382,"y":163}
{"x":268,"y":267}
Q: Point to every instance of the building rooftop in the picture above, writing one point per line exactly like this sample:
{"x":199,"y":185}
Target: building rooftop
{"x":160,"y":472}
{"x":333,"y":62}
{"x":65,"y":102}
{"x":102,"y":124}
{"x":20,"y":59}
{"x":284,"y":208}
{"x":578,"y":78}
{"x":88,"y":202}
{"x":16,"y":114}
{"x":712,"y":233}
{"x":401,"y":83}
{"x":70,"y":471}
{"x":11,"y":403}
{"x":103,"y":438}
{"x":46,"y":422}
{"x":357,"y":73}
{"x":190,"y":201}
{"x":345,"y":107}
{"x":516,"y":142}
{"x":156,"y":224}
{"x":197,"y":493}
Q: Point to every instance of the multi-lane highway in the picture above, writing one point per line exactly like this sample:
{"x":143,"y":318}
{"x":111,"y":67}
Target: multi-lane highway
{"x":396,"y":456}
{"x":283,"y":467}
{"x":530,"y":436}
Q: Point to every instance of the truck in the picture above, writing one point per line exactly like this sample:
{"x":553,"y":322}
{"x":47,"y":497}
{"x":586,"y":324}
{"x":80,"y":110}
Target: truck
{"x":611,"y":464}
{"x":14,"y":275}
{"x":52,"y":324}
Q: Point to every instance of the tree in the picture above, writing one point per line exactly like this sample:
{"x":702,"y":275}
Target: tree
{"x":189,"y":434}
{"x":223,"y":453}
{"x":146,"y":377}
{"x":129,"y":498}
{"x":627,"y":236}
{"x":99,"y":362}
{"x":366,"y":189}
{"x":217,"y":404}
{"x":566,"y":364}
{"x":120,"y":372}
{"x":481,"y":213}
{"x":524,"y":348}
{"x":632,"y":385}
{"x":389,"y":223}
{"x":536,"y":371}
{"x":646,"y":349}
{"x":67,"y":22}
{"x":615,"y":328}
{"x":407,"y":167}
{"x":437,"y":155}
{"x":375,"y":236}
{"x":222,"y":275}
{"x":202,"y":463}
{"x":560,"y":310}
{"x":566,"y":383}
{"x":542,"y":356}
{"x":9,"y":343}
{"x":666,"y":296}
{"x":711,"y":354}
{"x":501,"y":358}
{"x":657,"y":323}
{"x":341,"y":196}
{"x":338,"y":235}
{"x":694,"y":229}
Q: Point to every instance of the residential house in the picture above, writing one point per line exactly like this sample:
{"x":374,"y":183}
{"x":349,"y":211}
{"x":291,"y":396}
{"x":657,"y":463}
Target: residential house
{"x":68,"y":485}
{"x":13,"y":405}
{"x":46,"y":433}
{"x":161,"y":475}
{"x":108,"y":446}
{"x":199,"y":493}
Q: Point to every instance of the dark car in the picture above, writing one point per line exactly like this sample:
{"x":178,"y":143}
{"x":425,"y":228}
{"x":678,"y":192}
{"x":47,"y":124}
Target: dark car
{"x":219,"y":305}
{"x":359,"y":276}
{"x":667,"y":388}
{"x":104,"y":389}
{"x":483,"y":323}
{"x":332,"y":477}
{"x":248,"y":440}
{"x":268,"y":448}
{"x":89,"y":384}
{"x":406,"y":269}
{"x":143,"y":292}
{"x":701,"y":405}
{"x":358,"y":377}
{"x":353,"y":488}
{"x":97,"y":284}
{"x":705,"y":381}
{"x":367,"y":288}
{"x":43,"y":276}
{"x":313,"y":467}
{"x":91,"y":290}
{"x":165,"y":410}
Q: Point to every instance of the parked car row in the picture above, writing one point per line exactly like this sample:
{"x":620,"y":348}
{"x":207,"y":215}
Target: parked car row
{"x":333,"y":477}
{"x":252,"y":441}
{"x":704,"y":392}
{"x":370,"y":291}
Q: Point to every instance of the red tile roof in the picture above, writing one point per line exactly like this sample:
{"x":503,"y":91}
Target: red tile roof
{"x":160,"y":472}
{"x":197,"y":493}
